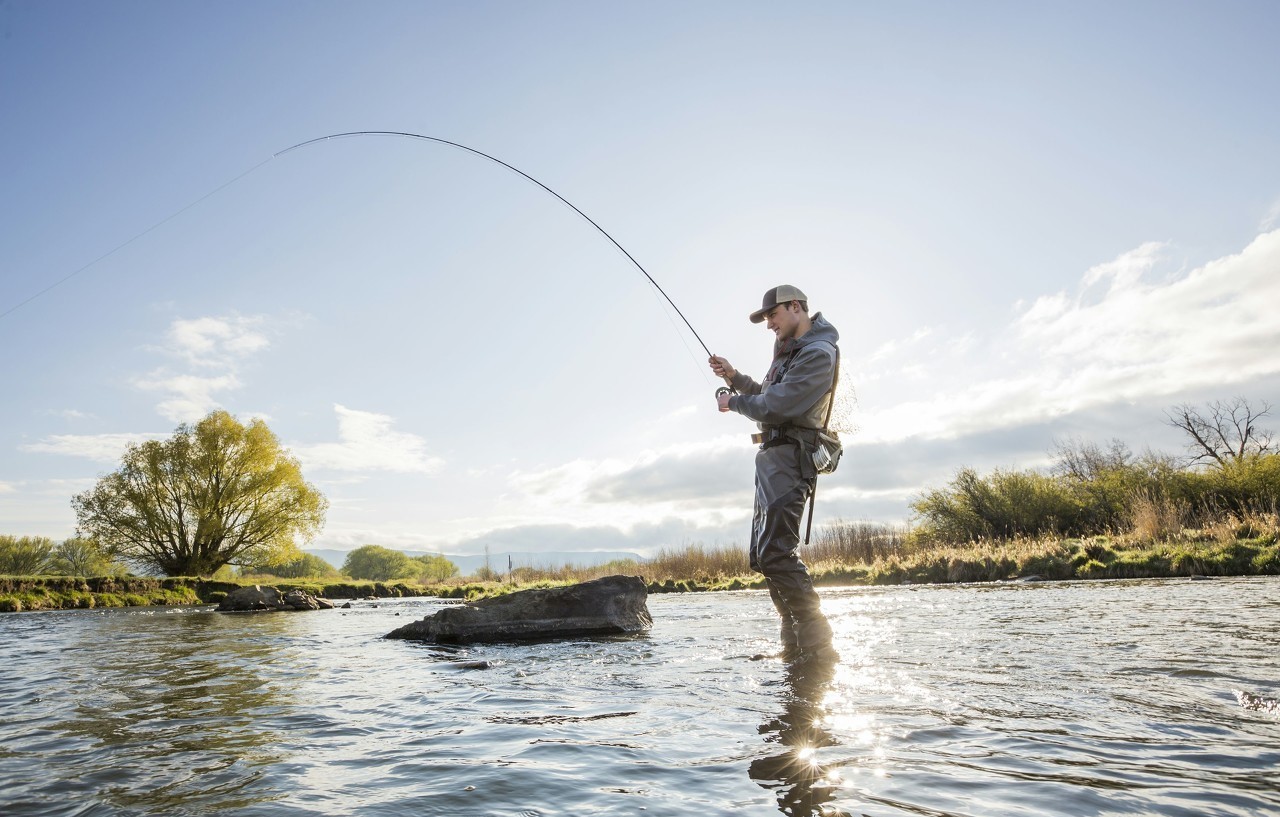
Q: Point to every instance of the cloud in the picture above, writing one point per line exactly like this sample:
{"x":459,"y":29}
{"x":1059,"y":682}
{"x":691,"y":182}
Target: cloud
{"x":98,"y":447}
{"x":217,"y":341}
{"x":644,"y":539}
{"x":8,"y":488}
{"x":69,"y":414}
{"x":369,"y":443}
{"x":215,"y":348}
{"x":190,"y":396}
{"x":1272,"y":219}
{"x":681,"y":475}
{"x":1127,"y":334}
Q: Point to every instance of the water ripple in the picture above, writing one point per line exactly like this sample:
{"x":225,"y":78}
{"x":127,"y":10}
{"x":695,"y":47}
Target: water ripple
{"x":1104,"y":698}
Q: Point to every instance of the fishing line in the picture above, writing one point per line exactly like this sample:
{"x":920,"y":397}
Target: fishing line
{"x":402,"y":134}
{"x":513,"y":169}
{"x":150,"y":229}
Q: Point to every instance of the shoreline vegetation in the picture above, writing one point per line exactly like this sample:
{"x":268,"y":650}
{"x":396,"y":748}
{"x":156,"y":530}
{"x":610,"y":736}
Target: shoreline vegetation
{"x":889,"y":557}
{"x":1100,"y":512}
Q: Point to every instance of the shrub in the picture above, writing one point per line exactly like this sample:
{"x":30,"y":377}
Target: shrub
{"x":379,"y":564}
{"x":306,"y":566}
{"x":26,"y":555}
{"x":1003,"y":505}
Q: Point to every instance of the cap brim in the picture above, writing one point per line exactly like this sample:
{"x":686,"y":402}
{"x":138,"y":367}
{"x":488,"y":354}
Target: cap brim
{"x":758,"y":315}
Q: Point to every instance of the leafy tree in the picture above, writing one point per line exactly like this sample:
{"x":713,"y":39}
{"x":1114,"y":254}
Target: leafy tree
{"x":25,"y":556}
{"x":435,"y":568}
{"x":214,"y":493}
{"x":379,"y":564}
{"x":307,"y":565}
{"x":82,"y":557}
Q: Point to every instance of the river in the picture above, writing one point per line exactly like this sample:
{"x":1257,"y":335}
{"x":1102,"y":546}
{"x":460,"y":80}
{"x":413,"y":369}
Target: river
{"x":1072,"y":698}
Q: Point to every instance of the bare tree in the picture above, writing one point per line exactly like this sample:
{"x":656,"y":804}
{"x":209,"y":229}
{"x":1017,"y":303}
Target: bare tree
{"x":1082,"y":461}
{"x":1227,"y":433}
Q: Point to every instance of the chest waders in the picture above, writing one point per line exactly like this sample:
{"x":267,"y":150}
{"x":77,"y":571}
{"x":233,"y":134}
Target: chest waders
{"x":786,"y":477}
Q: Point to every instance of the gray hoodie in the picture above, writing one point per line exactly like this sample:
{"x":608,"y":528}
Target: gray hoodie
{"x":795,"y":390}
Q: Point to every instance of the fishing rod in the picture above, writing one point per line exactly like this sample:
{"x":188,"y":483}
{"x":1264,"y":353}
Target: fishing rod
{"x":727,"y":389}
{"x":406,"y":135}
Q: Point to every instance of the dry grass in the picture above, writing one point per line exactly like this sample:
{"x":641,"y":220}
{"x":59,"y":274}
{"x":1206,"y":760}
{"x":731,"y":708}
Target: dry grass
{"x":698,"y":561}
{"x":857,"y":542}
{"x":1154,"y":517}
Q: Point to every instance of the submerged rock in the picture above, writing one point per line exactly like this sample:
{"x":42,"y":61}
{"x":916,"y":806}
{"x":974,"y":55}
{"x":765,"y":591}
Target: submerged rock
{"x":614,"y":604}
{"x":248,"y":599}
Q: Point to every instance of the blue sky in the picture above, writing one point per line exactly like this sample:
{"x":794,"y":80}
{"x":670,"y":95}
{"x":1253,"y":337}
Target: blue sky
{"x":1028,"y":221}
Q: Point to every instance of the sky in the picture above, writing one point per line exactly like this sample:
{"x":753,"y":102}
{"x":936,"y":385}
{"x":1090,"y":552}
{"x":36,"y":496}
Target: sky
{"x":1030,"y":222}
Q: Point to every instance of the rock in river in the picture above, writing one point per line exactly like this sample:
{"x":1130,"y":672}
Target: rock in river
{"x":268,"y":598}
{"x":614,"y":604}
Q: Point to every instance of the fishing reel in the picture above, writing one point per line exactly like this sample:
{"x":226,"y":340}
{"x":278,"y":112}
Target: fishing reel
{"x":723,"y":390}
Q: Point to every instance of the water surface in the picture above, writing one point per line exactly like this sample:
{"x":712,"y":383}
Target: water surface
{"x":1082,"y":698}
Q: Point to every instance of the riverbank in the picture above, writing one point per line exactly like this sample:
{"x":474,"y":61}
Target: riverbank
{"x":30,"y":593}
{"x":1099,"y":557}
{"x":1026,"y":559}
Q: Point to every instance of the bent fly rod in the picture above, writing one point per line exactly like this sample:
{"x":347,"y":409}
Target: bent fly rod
{"x":722,"y":390}
{"x":405,"y":135}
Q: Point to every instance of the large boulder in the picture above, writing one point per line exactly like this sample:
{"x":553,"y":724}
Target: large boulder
{"x":614,"y":604}
{"x":248,"y":599}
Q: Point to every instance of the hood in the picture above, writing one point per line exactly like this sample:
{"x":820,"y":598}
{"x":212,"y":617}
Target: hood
{"x":820,"y":331}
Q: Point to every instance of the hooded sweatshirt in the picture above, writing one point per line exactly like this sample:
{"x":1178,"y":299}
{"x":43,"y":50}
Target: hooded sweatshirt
{"x":795,"y":391}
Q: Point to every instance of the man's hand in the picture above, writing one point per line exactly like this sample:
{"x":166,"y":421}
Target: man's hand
{"x":723,"y":401}
{"x":722,"y":369}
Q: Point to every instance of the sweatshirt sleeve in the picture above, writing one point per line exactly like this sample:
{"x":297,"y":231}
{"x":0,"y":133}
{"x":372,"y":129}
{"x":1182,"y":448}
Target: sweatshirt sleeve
{"x":806,"y":382}
{"x":744,"y":384}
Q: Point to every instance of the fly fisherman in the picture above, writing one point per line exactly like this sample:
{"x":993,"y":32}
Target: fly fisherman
{"x":790,"y":406}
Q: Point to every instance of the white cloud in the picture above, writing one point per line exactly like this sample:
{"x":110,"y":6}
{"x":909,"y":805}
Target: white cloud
{"x":8,"y":488}
{"x":369,"y":443}
{"x":1214,"y":326}
{"x":69,"y":414}
{"x":97,"y":447}
{"x":190,"y":397}
{"x":215,"y":348}
{"x":217,"y":342}
{"x":703,"y":486}
{"x":1272,"y":219}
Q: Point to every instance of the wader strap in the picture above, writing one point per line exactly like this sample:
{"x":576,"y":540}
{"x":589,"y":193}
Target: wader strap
{"x":813,"y":494}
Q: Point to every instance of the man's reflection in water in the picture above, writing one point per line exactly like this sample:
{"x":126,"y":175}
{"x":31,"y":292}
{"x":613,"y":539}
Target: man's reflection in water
{"x":802,"y":783}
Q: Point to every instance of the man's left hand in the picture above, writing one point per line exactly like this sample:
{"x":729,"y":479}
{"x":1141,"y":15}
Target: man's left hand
{"x":723,"y":401}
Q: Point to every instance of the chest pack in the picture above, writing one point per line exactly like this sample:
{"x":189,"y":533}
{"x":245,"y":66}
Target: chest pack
{"x":823,"y":448}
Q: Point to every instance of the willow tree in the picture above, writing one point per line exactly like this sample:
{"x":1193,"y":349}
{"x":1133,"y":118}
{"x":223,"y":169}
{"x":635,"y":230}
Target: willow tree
{"x":215,"y":493}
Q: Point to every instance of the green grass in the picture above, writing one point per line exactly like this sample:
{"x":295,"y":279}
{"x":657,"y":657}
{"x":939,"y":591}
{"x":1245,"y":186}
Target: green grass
{"x":1192,"y":552}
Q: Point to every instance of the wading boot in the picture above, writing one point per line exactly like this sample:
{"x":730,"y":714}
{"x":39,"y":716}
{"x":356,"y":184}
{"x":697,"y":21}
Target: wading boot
{"x":814,"y":638}
{"x":790,"y":641}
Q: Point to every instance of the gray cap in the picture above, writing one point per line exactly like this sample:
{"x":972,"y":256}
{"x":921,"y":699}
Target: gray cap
{"x":778,"y":295}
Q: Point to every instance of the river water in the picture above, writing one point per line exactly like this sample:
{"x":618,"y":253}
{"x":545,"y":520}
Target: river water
{"x":1083,"y":698}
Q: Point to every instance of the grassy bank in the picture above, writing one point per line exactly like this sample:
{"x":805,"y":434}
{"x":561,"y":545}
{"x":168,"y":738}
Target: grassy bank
{"x":873,"y":557}
{"x":27,"y":593}
{"x":1098,"y":557}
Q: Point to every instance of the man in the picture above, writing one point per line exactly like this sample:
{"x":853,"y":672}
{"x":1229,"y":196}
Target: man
{"x":790,"y":405}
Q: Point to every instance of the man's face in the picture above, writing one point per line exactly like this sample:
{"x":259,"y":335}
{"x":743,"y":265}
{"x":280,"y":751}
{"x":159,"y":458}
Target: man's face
{"x":783,"y":320}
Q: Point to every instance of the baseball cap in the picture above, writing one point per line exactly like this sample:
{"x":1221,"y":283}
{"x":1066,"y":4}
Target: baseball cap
{"x":778,"y":295}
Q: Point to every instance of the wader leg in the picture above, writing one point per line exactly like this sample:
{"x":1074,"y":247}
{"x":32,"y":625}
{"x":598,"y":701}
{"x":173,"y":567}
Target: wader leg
{"x":787,"y":630}
{"x":775,"y":537}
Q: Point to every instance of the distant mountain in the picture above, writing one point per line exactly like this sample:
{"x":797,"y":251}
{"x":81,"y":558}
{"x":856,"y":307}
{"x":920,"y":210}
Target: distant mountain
{"x":469,"y":563}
